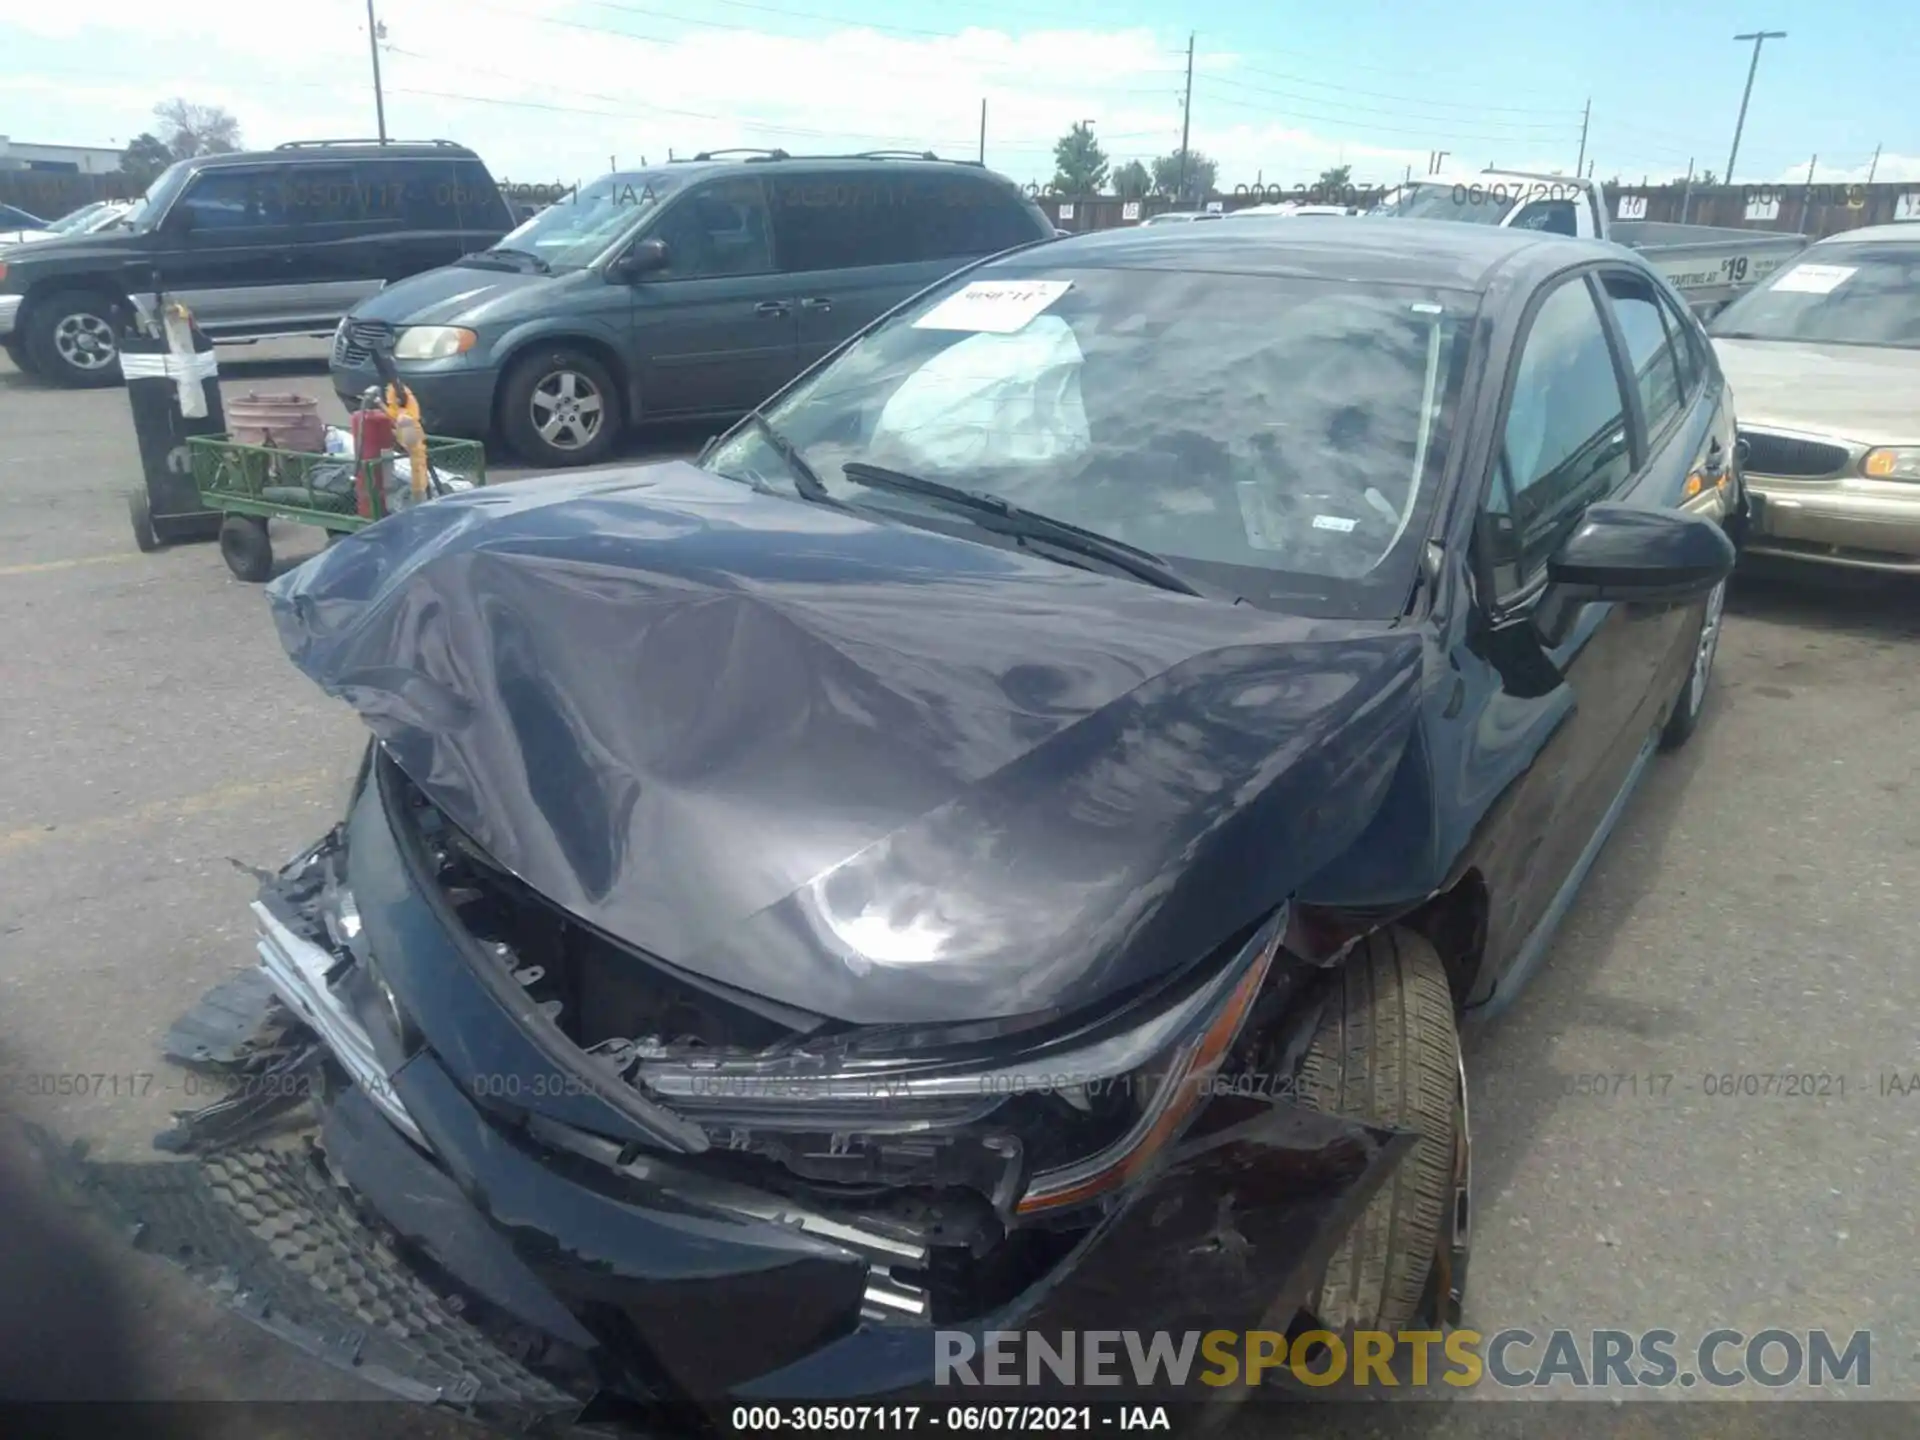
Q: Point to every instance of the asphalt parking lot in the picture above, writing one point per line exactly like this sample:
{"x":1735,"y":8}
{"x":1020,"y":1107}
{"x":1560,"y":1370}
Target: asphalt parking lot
{"x":1754,"y":915}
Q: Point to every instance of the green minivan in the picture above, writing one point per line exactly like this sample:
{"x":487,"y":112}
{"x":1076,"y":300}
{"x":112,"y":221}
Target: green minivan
{"x":690,"y":290}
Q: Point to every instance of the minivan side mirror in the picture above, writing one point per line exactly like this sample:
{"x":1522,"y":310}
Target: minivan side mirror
{"x":1636,"y":556}
{"x":645,"y":258}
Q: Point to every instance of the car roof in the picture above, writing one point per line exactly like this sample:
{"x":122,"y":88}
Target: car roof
{"x":1439,"y":254}
{"x":793,"y":165}
{"x":1909,"y":231}
{"x":333,"y":154}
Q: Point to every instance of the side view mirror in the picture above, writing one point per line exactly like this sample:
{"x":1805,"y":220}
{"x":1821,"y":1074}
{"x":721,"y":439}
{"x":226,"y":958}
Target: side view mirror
{"x":1636,"y":556}
{"x":645,"y":258}
{"x":179,"y":221}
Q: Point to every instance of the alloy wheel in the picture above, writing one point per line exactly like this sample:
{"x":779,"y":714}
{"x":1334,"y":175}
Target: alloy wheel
{"x":85,"y":341}
{"x":568,"y":409}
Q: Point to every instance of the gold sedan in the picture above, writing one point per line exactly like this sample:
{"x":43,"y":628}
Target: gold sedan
{"x":1824,"y":365}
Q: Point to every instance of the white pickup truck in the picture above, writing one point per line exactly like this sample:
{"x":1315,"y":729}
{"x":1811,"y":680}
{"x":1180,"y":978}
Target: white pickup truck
{"x":1708,"y":264}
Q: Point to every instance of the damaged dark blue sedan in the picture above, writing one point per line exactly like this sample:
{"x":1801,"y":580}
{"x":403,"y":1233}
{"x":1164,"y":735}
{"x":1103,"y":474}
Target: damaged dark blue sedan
{"x":1006,"y":840}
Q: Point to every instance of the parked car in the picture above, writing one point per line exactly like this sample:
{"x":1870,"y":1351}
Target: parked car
{"x":1825,"y":359}
{"x":1181,"y":217}
{"x":17,"y":227}
{"x":259,"y":245}
{"x":1709,"y":265}
{"x":100,"y":215}
{"x":1293,"y":207}
{"x":1048,"y":779}
{"x":693,"y":289}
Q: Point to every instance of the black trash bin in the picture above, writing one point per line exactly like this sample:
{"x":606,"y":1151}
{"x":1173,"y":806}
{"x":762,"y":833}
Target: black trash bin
{"x":166,"y":509}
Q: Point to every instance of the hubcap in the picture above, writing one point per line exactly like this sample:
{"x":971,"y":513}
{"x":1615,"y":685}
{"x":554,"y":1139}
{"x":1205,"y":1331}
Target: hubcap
{"x":1709,"y":643}
{"x":85,"y":342}
{"x":568,"y":409}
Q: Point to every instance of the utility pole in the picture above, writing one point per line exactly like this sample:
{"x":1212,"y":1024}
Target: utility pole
{"x":373,"y":46}
{"x":1759,"y":38}
{"x":1186,"y":123}
{"x":1686,"y":196}
{"x":1810,"y":164}
{"x":983,"y":129}
{"x":1875,"y":165}
{"x":1585,"y":116}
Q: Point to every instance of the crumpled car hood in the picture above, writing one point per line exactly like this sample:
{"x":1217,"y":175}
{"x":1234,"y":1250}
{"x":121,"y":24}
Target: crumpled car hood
{"x":871,"y":771}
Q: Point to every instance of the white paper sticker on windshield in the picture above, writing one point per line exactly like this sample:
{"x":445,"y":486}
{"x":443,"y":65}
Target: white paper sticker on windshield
{"x":993,"y":307}
{"x":1334,"y":522}
{"x":1815,"y":279}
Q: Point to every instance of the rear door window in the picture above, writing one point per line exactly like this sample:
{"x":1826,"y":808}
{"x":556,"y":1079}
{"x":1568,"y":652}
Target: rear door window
{"x":478,"y":198}
{"x":1649,"y":347}
{"x":1688,"y":348}
{"x":963,"y":215}
{"x":417,"y":194}
{"x":842,"y":221}
{"x":323,"y":195}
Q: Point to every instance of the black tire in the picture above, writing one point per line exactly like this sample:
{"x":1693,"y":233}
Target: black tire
{"x":16,"y":348}
{"x":540,"y":384}
{"x":1387,"y":1051}
{"x":1687,"y":709}
{"x":140,"y":512}
{"x":73,"y":339}
{"x":246,"y":549}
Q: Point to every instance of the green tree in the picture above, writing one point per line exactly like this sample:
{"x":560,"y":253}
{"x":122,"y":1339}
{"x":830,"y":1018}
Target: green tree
{"x":1201,"y":175}
{"x":1079,"y":164}
{"x":143,"y":159}
{"x":1132,"y":181}
{"x":1333,"y":181}
{"x":1706,"y":178}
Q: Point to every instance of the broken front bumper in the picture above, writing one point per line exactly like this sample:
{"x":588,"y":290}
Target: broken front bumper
{"x":584,"y":1263}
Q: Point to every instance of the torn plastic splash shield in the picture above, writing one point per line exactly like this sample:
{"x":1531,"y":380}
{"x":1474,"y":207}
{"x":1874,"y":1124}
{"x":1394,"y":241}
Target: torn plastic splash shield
{"x":875,"y":772}
{"x":276,"y":1242}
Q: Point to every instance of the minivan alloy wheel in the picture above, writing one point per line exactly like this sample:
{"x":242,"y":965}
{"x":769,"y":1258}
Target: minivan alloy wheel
{"x":567,"y":409}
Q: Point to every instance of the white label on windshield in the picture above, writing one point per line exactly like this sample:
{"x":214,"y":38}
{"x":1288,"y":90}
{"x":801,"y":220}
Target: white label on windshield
{"x":1815,"y":279}
{"x":993,"y":307}
{"x":1334,"y":522}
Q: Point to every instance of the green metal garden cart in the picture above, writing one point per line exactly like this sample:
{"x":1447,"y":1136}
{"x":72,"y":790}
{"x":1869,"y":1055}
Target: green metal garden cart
{"x":252,"y":484}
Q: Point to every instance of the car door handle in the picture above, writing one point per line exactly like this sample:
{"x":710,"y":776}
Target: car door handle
{"x":773,"y":308}
{"x":818,"y":304}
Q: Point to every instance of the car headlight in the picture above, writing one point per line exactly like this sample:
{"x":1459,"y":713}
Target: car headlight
{"x":1118,"y":1090}
{"x":1892,"y":462}
{"x":433,"y":342}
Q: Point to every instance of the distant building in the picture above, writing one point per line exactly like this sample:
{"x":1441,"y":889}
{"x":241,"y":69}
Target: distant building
{"x":58,"y":159}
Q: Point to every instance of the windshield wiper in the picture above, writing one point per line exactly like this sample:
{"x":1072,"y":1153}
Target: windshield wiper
{"x":805,"y":478}
{"x":507,"y":252}
{"x":1005,"y":518}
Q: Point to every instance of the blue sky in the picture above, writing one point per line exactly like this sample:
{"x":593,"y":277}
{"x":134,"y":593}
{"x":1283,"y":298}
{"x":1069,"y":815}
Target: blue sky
{"x":552,"y":88}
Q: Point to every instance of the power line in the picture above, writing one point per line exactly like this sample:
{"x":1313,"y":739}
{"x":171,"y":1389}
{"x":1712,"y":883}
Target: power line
{"x":1345,"y":89}
{"x":1558,"y":125}
{"x":750,"y":122}
{"x":1440,"y":127}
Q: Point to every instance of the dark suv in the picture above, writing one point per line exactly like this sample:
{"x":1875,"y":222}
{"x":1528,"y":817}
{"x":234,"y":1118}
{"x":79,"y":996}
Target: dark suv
{"x":259,"y":246}
{"x":687,"y":290}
